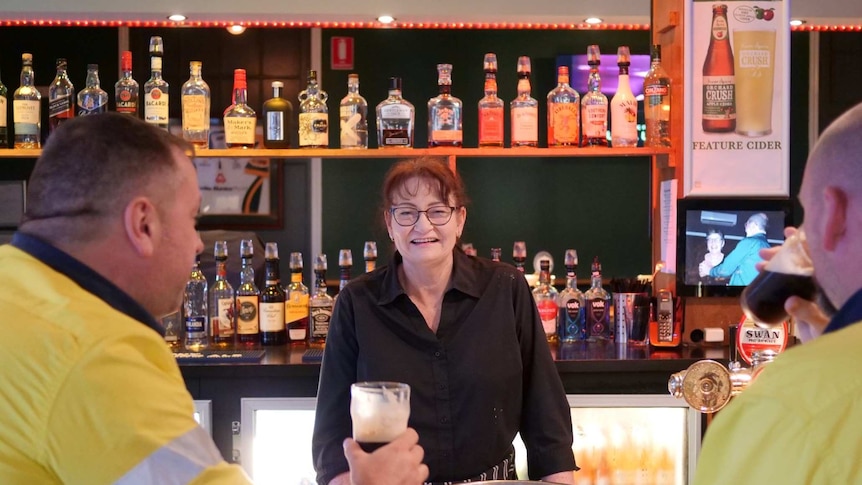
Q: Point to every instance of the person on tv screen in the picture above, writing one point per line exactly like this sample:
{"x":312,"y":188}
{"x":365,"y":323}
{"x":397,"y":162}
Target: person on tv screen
{"x":714,"y":255}
{"x":739,"y":265}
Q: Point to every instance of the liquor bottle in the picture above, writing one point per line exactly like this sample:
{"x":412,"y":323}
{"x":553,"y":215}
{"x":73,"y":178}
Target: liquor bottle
{"x":444,"y":112}
{"x":571,"y":304}
{"x":61,"y":98}
{"x":395,"y":119}
{"x":126,"y":90}
{"x":491,"y":107}
{"x":369,"y":254}
{"x":195,"y":313}
{"x":525,"y":110}
{"x":92,"y":100}
{"x":26,"y":107}
{"x":545,"y":296}
{"x":657,"y":102}
{"x":564,"y":113}
{"x":345,"y":263}
{"x":272,"y":298}
{"x":320,"y":305}
{"x":296,"y":307}
{"x":598,"y":306}
{"x":247,"y":298}
{"x":156,"y":88}
{"x":519,"y":255}
{"x":4,"y":129}
{"x":624,"y":106}
{"x":313,"y":118}
{"x":496,"y":253}
{"x":222,"y":305}
{"x":195,"y":99}
{"x":594,"y":105}
{"x":354,"y":116}
{"x":240,"y":121}
{"x":277,"y":116}
{"x":719,"y":97}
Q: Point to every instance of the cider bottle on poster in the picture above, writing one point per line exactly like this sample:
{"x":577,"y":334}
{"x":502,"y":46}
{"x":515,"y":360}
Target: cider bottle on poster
{"x":719,"y":88}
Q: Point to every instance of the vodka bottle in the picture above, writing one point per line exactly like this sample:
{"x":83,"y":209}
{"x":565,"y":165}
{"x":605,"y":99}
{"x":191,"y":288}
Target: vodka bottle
{"x":598,"y":309}
{"x":571,"y":303}
{"x":195,"y":313}
{"x":92,"y":99}
{"x":353,"y":112}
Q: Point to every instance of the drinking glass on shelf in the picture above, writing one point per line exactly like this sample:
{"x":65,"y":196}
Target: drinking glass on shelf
{"x":379,"y":411}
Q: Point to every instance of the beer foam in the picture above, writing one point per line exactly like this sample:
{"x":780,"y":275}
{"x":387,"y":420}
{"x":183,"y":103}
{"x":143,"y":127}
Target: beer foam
{"x":792,"y":258}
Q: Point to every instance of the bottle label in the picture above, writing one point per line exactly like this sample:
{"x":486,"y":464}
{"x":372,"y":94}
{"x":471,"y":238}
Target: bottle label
{"x":548,"y":314}
{"x":394,"y":137}
{"x":271,"y":317}
{"x":595,"y":120}
{"x":239,"y":131}
{"x":525,"y":124}
{"x":597,"y":318}
{"x":656,"y":95}
{"x":563,"y":125}
{"x":719,"y":98}
{"x":126,"y":101}
{"x":156,"y":107}
{"x":397,"y":111}
{"x":751,"y":338}
{"x":491,"y":125}
{"x":296,"y":316}
{"x":350,"y":117}
{"x":313,"y":129}
{"x":320,"y":317}
{"x":444,"y":125}
{"x":719,"y":28}
{"x":624,"y":118}
{"x":194,"y":112}
{"x":445,"y":135}
{"x":247,"y":319}
{"x":61,"y":106}
{"x":571,"y":317}
{"x":223,"y":324}
{"x":3,"y":111}
{"x":195,"y":325}
{"x":274,"y":126}
{"x":92,"y":104}
{"x":25,"y":114}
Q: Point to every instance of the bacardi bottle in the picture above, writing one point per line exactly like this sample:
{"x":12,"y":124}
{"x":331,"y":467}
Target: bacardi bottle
{"x":545,"y":296}
{"x":594,"y":105}
{"x":195,"y":314}
{"x":26,"y":108}
{"x":272,"y":298}
{"x":444,"y":112}
{"x":240,"y":121}
{"x":277,"y":117}
{"x":296,"y":306}
{"x":719,"y":97}
{"x":571,"y":304}
{"x":313,"y":118}
{"x":126,"y":90}
{"x":395,"y":117}
{"x":564,"y":113}
{"x":92,"y":99}
{"x":657,"y":102}
{"x":222,"y":303}
{"x":353,"y":112}
{"x":320,"y":305}
{"x":491,"y":107}
{"x":156,"y":107}
{"x":598,"y":309}
{"x":247,"y":298}
{"x":624,"y":106}
{"x":195,"y":98}
{"x":61,"y":98}
{"x":525,"y":109}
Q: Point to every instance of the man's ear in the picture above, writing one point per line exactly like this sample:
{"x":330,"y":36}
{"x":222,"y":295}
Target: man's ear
{"x":141,"y":224}
{"x":834,"y":217}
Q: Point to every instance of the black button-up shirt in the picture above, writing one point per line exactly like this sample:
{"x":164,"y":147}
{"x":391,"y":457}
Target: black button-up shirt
{"x":484,"y":376}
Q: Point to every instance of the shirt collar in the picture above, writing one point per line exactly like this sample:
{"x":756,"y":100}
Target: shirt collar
{"x":464,"y":277}
{"x":85,"y":277}
{"x":849,"y":314}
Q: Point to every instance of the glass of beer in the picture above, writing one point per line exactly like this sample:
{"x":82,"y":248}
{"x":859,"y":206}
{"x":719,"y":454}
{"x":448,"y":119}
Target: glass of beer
{"x":789,"y":273}
{"x":754,"y":68}
{"x":379,"y":411}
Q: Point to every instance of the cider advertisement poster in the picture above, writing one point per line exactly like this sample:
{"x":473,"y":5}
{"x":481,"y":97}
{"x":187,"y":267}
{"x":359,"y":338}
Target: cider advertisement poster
{"x":737,"y":85}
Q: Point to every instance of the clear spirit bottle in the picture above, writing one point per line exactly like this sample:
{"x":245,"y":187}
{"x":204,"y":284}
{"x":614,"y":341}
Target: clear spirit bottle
{"x":345,"y":264}
{"x":313,"y":118}
{"x":624,"y":106}
{"x":156,"y":107}
{"x":26,"y":107}
{"x":247,"y":298}
{"x":525,"y":109}
{"x":277,"y":115}
{"x":564,"y":112}
{"x":444,"y":112}
{"x":594,"y":105}
{"x":92,"y":100}
{"x":598,"y":309}
{"x":353,"y":112}
{"x":320,"y":305}
{"x":240,"y":121}
{"x":61,"y":98}
{"x":369,"y":254}
{"x":657,"y":102}
{"x":195,"y":312}
{"x":571,"y":304}
{"x":296,"y":308}
{"x":491,"y":107}
{"x":4,"y":103}
{"x":222,"y":304}
{"x":272,"y":300}
{"x":195,"y":97}
{"x":545,"y":296}
{"x":126,"y":90}
{"x":395,"y":117}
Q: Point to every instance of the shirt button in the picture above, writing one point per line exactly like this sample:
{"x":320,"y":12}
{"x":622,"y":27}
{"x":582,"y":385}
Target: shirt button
{"x":438,"y":354}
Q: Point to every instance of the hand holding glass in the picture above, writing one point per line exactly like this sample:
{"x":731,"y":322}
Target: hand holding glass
{"x":380,"y":411}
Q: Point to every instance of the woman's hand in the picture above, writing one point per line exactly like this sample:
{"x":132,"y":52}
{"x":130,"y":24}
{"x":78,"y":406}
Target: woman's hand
{"x":397,"y":463}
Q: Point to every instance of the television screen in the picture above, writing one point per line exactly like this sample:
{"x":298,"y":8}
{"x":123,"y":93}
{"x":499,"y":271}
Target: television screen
{"x":718,"y":241}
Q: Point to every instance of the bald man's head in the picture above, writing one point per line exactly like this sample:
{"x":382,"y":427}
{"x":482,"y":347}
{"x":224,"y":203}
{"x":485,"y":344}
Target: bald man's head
{"x":836,"y":158}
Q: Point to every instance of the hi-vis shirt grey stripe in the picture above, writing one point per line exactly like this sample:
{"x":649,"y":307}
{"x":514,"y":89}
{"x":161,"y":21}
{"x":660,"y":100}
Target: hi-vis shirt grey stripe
{"x":176,"y":463}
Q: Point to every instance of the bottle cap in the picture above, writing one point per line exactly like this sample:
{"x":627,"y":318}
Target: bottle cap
{"x":92,"y":67}
{"x":271,"y":250}
{"x":395,"y":83}
{"x":157,"y":47}
{"x":277,"y":84}
{"x":195,"y":64}
{"x":444,"y":74}
{"x":623,"y":56}
{"x":126,"y":60}
{"x":490,"y":63}
{"x":320,"y":262}
{"x":594,"y":55}
{"x":220,"y":250}
{"x":239,"y":79}
{"x":27,"y":58}
{"x":524,"y":65}
{"x":345,"y":258}
{"x":312,"y":75}
{"x":353,"y":77}
{"x":61,"y":63}
{"x":655,"y":51}
{"x":369,"y":251}
{"x":296,"y":261}
{"x":246,"y":248}
{"x":571,"y":258}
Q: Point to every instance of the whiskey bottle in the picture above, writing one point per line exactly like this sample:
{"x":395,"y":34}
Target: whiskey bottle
{"x":491,"y":131}
{"x":598,"y":306}
{"x":239,"y":119}
{"x":395,"y":117}
{"x":369,"y":254}
{"x":222,"y":304}
{"x":657,"y":102}
{"x":195,"y":312}
{"x":444,"y":112}
{"x":156,"y":107}
{"x":61,"y":98}
{"x":353,"y":112}
{"x":92,"y":99}
{"x":296,"y":306}
{"x":545,"y":296}
{"x":320,"y":305}
{"x":525,"y":110}
{"x":571,"y":304}
{"x":564,"y":113}
{"x":345,"y":263}
{"x":247,"y":298}
{"x":519,"y":255}
{"x":195,"y":99}
{"x":277,"y":115}
{"x":719,"y":97}
{"x":4,"y":129}
{"x":26,"y":107}
{"x":126,"y":90}
{"x":272,"y":301}
{"x":594,"y":105}
{"x":313,"y":118}
{"x":624,"y":106}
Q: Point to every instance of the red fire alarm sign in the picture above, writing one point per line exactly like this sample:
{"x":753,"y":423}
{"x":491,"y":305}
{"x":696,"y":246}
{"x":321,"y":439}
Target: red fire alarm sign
{"x":342,"y":53}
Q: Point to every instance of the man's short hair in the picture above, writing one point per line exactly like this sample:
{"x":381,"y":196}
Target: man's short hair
{"x":761,"y":219}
